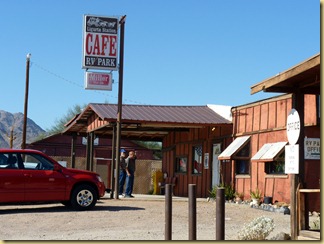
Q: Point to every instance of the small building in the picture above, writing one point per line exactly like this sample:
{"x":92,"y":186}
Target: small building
{"x":191,"y":137}
{"x":256,"y":157}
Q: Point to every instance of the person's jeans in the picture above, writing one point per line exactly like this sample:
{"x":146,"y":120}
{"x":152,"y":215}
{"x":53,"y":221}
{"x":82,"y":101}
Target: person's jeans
{"x":122,"y":178}
{"x":129,"y":184}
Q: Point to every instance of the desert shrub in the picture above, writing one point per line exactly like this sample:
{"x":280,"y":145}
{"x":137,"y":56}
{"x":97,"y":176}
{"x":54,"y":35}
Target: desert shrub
{"x":258,"y":229}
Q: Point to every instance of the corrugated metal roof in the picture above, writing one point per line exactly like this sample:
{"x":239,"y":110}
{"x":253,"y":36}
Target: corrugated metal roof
{"x":160,"y":114}
{"x":145,"y":121}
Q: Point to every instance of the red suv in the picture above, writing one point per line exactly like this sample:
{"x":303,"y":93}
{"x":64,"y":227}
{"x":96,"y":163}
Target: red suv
{"x":31,"y":176}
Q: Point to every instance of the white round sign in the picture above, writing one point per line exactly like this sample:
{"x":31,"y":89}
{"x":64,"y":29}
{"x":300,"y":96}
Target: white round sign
{"x":293,"y":126}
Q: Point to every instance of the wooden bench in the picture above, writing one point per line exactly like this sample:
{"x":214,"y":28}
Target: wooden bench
{"x":168,"y":180}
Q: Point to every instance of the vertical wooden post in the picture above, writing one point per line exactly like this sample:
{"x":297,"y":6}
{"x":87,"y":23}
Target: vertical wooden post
{"x":192,"y":212}
{"x":168,"y":212}
{"x":295,"y":179}
{"x":220,"y":214}
{"x":88,"y":151}
{"x":73,"y":142}
{"x":113,"y":173}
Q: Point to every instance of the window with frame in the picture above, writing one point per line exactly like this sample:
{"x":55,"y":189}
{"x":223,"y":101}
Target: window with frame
{"x":197,"y":159}
{"x":242,"y":160}
{"x":277,"y":166}
{"x":9,"y":161}
{"x":181,"y":164}
{"x":242,"y":166}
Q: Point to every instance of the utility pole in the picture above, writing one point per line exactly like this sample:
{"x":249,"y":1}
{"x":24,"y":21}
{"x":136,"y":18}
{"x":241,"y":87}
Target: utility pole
{"x":23,"y":144}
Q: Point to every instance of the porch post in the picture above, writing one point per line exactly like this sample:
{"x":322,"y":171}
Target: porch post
{"x":74,"y":138}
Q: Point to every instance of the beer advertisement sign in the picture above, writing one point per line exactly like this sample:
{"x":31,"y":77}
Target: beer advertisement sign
{"x":100,"y":42}
{"x":98,"y":81}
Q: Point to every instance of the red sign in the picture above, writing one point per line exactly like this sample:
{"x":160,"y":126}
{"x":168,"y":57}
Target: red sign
{"x":100,"y":43}
{"x":98,"y":81}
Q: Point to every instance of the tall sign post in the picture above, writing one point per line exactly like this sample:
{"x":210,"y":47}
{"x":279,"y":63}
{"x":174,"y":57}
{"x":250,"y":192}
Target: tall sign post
{"x":100,"y":51}
{"x":120,"y":100}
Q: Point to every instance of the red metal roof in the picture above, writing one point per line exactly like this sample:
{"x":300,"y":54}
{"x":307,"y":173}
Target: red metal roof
{"x":160,"y":114}
{"x":145,"y":121}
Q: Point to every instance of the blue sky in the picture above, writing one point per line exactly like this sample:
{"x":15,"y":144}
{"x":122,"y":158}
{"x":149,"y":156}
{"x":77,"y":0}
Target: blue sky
{"x":176,"y":52}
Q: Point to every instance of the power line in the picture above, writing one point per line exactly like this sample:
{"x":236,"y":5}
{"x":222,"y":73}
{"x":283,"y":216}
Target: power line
{"x":77,"y":84}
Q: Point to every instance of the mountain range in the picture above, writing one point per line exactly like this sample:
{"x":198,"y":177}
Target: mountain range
{"x":13,"y":124}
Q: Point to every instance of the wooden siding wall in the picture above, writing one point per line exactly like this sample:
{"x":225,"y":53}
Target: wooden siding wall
{"x":266,"y":121}
{"x":180,"y":144}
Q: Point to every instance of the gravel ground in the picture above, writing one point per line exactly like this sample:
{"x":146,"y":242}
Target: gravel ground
{"x":140,"y":218}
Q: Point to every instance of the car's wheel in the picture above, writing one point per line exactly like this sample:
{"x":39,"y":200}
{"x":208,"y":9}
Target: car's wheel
{"x":84,"y":197}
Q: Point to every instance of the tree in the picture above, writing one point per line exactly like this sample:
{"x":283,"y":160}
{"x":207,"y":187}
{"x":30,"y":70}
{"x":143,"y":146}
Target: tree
{"x":59,"y":123}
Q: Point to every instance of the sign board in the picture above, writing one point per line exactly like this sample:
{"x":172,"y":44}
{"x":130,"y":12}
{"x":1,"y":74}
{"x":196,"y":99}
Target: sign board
{"x":98,"y":81}
{"x":100,"y":42}
{"x":292,"y":159}
{"x":312,"y":148}
{"x":293,"y":126}
{"x":206,"y":160}
{"x":95,"y":141}
{"x":63,"y":163}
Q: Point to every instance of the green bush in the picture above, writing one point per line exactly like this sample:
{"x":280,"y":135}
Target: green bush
{"x":229,"y":191}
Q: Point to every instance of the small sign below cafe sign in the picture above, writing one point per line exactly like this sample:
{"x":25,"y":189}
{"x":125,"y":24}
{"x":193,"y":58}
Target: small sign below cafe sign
{"x":98,"y":81}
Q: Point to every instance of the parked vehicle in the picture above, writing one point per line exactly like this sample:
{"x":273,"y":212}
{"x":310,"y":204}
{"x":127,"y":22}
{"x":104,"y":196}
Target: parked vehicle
{"x":29,"y":176}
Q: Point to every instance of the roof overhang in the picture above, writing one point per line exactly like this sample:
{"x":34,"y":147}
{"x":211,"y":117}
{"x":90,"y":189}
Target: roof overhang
{"x":234,"y":147}
{"x":304,"y":77}
{"x":143,"y":122}
{"x":269,"y":152}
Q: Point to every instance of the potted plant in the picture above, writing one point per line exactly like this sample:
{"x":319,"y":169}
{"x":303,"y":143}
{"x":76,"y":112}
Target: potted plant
{"x":255,"y":196}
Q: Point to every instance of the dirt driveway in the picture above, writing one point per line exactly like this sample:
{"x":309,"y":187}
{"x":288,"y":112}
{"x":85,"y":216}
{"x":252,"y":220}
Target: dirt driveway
{"x":141,"y":218}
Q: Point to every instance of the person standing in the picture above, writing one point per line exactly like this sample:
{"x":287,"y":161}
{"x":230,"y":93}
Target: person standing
{"x":130,"y":170}
{"x":122,"y":171}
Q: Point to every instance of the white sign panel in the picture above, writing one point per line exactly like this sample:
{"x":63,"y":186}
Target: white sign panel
{"x":206,"y":160}
{"x":293,"y":126}
{"x":312,"y":148}
{"x":63,"y":163}
{"x":98,"y":81}
{"x":95,"y":141}
{"x":100,"y":42}
{"x":292,"y":159}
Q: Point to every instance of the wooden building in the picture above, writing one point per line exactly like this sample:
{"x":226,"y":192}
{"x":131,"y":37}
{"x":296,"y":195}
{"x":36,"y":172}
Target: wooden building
{"x":256,"y":157}
{"x":191,"y":137}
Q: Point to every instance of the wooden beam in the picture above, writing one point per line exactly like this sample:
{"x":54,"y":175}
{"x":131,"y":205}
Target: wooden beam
{"x":288,"y":74}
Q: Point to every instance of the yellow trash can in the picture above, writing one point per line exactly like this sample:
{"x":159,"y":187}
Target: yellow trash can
{"x":157,"y":178}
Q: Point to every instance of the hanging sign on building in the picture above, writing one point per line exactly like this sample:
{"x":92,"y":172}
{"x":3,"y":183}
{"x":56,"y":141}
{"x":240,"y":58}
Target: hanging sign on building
{"x":98,"y":81}
{"x":293,"y":126}
{"x":292,"y":159}
{"x":312,"y":148}
{"x":100,"y":42}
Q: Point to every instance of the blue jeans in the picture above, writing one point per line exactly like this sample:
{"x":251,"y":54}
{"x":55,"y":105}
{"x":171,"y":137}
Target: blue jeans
{"x":129,"y":184}
{"x":122,"y":178}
